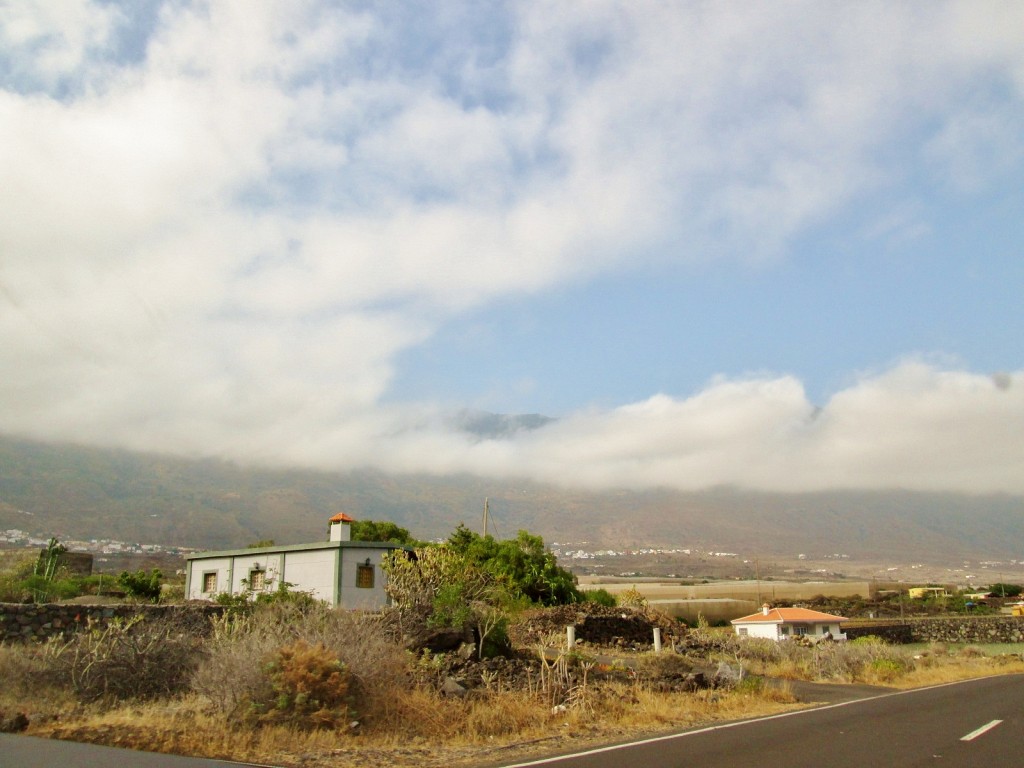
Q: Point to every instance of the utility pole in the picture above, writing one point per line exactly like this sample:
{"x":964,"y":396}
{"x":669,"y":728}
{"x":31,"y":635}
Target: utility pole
{"x":487,"y":507}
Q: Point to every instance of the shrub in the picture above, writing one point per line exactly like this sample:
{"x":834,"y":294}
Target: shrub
{"x":131,"y":659}
{"x":868,"y":662}
{"x":867,"y":640}
{"x":760,"y":649}
{"x":232,"y":676}
{"x":601,"y":597}
{"x":662,"y":665}
{"x":141,"y":585}
{"x":632,"y":598}
{"x":971,"y":652}
{"x":309,"y":687}
{"x":887,"y":670}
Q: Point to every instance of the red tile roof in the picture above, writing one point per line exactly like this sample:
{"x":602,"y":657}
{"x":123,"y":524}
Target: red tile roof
{"x":781,"y":615}
{"x":341,"y":517}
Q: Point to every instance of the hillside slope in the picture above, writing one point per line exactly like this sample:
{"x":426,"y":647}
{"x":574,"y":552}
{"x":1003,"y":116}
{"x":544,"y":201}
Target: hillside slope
{"x":80,"y":492}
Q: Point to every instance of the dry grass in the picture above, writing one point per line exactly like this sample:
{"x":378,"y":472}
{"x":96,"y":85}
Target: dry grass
{"x":425,"y":729}
{"x":435,"y":731}
{"x":233,"y":673}
{"x":570,"y":704}
{"x":938,"y":665}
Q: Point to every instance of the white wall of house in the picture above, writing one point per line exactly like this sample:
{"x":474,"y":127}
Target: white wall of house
{"x":197,"y":577}
{"x":351,"y":594}
{"x":786,"y":630}
{"x":348,"y":575}
{"x":270,"y":564}
{"x":312,"y":571}
{"x":758,"y":629}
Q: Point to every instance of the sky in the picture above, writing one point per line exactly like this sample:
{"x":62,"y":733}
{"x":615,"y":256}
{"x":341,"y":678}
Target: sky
{"x":773,"y":246}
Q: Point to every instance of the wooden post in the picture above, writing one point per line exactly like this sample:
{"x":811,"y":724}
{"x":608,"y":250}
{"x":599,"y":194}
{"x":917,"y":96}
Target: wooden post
{"x":657,"y":639}
{"x":570,"y":637}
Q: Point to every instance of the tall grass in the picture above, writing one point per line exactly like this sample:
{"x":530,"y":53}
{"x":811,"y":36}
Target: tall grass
{"x":859,"y":661}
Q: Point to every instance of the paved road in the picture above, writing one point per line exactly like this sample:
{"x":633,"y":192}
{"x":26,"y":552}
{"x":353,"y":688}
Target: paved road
{"x":973,"y":723}
{"x":29,"y":752}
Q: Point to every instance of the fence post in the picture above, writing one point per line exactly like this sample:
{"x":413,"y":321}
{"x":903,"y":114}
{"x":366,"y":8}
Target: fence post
{"x":570,"y":637}
{"x":657,"y":639}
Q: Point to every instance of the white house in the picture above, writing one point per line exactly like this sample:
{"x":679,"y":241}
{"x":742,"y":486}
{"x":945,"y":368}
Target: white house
{"x":782,"y":623}
{"x":339,"y":571}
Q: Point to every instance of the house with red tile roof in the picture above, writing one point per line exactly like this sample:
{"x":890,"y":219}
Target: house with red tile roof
{"x":784,"y":623}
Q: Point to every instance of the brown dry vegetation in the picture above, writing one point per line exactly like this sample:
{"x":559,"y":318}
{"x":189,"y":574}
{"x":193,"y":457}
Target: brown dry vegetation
{"x":868,"y":661}
{"x":303,"y":685}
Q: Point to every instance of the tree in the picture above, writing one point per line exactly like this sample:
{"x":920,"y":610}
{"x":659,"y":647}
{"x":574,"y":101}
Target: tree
{"x":141,"y":585}
{"x":1005,"y":590}
{"x":373,"y":530}
{"x":438,"y":588}
{"x":523,"y":564}
{"x":474,"y":581}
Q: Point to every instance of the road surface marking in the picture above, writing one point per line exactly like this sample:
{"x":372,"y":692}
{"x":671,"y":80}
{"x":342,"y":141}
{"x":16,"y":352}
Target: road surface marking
{"x":984,"y":729}
{"x":733,"y":724}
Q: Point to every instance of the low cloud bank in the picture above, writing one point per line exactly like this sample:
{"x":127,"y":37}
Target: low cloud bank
{"x":913,"y":427}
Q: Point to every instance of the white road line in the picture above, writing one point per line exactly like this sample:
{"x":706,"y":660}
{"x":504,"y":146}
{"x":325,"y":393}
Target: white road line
{"x":984,"y":729}
{"x":740,"y":723}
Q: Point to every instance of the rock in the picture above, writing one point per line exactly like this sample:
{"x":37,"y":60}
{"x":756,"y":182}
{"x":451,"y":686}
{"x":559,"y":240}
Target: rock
{"x":441,"y":641}
{"x":451,"y":687}
{"x":15,"y":723}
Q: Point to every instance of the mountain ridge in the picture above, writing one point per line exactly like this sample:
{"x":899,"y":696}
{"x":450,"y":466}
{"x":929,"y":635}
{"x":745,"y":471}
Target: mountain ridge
{"x":85,"y":492}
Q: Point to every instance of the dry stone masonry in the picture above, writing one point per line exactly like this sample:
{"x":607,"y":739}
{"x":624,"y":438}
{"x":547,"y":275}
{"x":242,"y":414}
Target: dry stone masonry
{"x":36,"y":622}
{"x":974,"y":629}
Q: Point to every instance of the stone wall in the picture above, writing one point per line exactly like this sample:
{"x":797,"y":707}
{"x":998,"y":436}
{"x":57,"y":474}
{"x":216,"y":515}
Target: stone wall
{"x":38,"y":622}
{"x":973,"y":629}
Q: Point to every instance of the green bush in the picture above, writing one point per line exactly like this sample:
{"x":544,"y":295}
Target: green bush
{"x":867,"y":640}
{"x":523,"y":564}
{"x":887,"y":669}
{"x":600,"y":597}
{"x":1000,"y":589}
{"x":141,"y":585}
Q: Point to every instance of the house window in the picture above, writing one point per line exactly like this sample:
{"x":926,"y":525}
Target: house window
{"x":364,"y":576}
{"x":210,"y":582}
{"x":257,"y":580}
{"x":800,"y":631}
{"x":742,"y":631}
{"x":785,"y":629}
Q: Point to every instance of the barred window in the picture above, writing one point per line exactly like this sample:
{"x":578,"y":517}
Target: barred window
{"x":257,"y":580}
{"x":364,"y":576}
{"x":210,"y":582}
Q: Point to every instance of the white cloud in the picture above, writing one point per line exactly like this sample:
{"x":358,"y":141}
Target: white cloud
{"x":913,"y":427}
{"x":50,"y":43}
{"x":223,"y":246}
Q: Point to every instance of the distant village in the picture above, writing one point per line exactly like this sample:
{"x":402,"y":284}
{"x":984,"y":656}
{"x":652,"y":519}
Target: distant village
{"x":13,"y":537}
{"x":585,"y":558}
